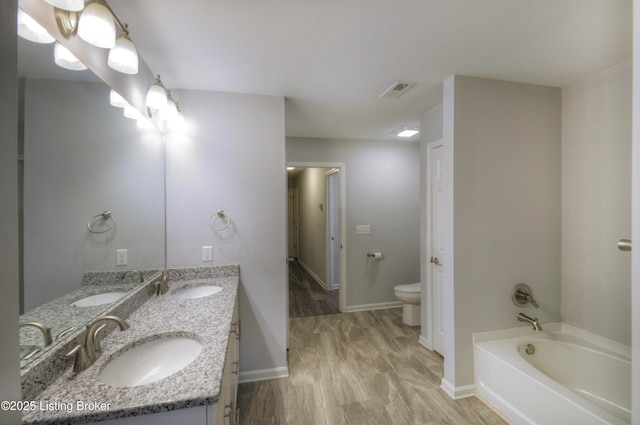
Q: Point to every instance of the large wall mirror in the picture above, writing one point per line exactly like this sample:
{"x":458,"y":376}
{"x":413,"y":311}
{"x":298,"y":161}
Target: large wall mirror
{"x":80,"y":157}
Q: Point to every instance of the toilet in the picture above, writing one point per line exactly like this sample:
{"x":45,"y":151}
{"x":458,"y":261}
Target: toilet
{"x":409,"y":294}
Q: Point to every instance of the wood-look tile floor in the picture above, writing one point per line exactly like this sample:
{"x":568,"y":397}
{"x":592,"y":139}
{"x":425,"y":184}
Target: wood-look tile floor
{"x":364,"y":368}
{"x":306,"y":296}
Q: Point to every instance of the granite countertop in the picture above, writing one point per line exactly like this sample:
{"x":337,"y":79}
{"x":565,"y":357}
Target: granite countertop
{"x":207,"y":319}
{"x":60,"y":315}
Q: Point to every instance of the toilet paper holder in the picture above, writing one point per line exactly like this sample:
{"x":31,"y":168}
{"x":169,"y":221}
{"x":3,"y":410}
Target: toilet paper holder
{"x":376,"y":255}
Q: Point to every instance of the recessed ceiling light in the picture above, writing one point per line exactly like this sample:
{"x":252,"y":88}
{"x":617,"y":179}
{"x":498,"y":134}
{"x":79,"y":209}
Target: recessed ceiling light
{"x":291,"y":168}
{"x":407,"y":132}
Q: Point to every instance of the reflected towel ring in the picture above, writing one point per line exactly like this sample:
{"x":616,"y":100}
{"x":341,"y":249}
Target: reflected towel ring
{"x":220,"y":214}
{"x":105,"y":216}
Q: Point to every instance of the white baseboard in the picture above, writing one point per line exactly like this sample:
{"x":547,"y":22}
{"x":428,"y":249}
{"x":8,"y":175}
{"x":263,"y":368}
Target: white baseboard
{"x":313,"y":275}
{"x":377,"y":306}
{"x":457,"y":393}
{"x":424,"y":341}
{"x":263,"y":374}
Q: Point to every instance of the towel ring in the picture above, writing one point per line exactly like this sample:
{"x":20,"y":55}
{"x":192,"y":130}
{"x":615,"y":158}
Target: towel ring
{"x":220,"y":214}
{"x":105,"y":216}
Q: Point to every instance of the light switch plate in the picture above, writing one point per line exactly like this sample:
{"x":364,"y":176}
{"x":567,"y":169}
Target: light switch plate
{"x":364,"y":229}
{"x":121,"y":257}
{"x":207,"y":253}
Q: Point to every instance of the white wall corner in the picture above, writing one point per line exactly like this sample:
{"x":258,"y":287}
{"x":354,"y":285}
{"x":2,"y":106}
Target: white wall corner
{"x":458,"y":393}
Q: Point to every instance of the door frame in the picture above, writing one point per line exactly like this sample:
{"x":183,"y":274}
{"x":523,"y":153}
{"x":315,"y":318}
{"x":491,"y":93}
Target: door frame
{"x":333,"y":209}
{"x":342,"y":216}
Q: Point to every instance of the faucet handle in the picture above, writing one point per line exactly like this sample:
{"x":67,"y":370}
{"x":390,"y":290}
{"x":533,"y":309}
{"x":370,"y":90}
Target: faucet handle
{"x":521,"y":294}
{"x":81,"y":359}
{"x":97,"y":347}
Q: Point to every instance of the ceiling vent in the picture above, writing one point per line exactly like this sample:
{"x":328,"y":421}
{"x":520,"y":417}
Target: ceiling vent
{"x":397,"y":89}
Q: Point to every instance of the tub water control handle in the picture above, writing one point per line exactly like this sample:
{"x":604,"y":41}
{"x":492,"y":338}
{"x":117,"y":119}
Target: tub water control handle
{"x":521,"y":295}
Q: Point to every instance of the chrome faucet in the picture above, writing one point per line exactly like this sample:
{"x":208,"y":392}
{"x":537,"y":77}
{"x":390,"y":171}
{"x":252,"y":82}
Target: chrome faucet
{"x":46,"y":332}
{"x":87,"y":355}
{"x":126,"y":272}
{"x":163,"y":285}
{"x":524,"y":318}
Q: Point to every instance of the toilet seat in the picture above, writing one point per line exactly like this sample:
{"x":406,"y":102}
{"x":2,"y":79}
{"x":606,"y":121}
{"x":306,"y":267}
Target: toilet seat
{"x":408,"y":288}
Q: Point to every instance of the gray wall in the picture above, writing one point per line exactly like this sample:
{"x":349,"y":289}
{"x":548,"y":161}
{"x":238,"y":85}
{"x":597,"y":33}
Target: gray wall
{"x":9,"y":352}
{"x":232,"y":158}
{"x":382,"y":190}
{"x":82,"y":157}
{"x":506,"y":143}
{"x":596,"y":203}
{"x":312,"y":249}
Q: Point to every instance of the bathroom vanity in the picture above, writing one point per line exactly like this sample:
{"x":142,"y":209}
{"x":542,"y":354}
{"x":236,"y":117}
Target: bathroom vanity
{"x":180,"y":359}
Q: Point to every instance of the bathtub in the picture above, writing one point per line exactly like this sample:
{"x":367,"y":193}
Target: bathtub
{"x":570,"y":377}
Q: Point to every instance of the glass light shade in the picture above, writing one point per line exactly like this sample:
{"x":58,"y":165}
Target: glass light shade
{"x":169,"y":111}
{"x":71,"y":5}
{"x":123,"y":57}
{"x":96,"y":26}
{"x":65,"y":59}
{"x":30,"y":30}
{"x":116,"y":100}
{"x":177,"y":122}
{"x":131,"y":112}
{"x":156,"y":97}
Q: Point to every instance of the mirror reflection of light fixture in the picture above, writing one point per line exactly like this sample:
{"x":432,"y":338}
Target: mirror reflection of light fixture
{"x":131,"y":112}
{"x":65,"y":59}
{"x":96,"y":26}
{"x":72,"y":5}
{"x":123,"y":57}
{"x":116,"y":100}
{"x":30,"y":30}
{"x":407,"y":132}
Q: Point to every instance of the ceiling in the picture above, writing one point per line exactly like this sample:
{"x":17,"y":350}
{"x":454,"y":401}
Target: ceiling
{"x":332,"y":59}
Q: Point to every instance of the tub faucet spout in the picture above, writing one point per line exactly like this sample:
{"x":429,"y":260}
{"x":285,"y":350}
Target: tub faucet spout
{"x":534,"y":322}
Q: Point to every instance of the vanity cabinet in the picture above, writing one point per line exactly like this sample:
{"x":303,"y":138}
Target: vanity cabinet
{"x":224,"y":412}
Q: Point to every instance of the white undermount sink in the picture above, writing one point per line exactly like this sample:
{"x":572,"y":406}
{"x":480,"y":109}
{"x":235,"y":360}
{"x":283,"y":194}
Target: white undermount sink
{"x":151,"y":361}
{"x":197,"y":292}
{"x":99,"y":299}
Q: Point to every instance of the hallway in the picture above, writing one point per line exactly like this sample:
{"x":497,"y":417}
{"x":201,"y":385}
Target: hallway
{"x":306,"y":296}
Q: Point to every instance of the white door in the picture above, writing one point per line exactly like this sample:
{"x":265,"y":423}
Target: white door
{"x":333,"y":228}
{"x":435,"y":238}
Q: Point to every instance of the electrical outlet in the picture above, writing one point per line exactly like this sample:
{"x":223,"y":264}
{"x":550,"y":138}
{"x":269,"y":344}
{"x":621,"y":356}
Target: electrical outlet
{"x":364,"y":229}
{"x":121,"y":257}
{"x":207,"y":253}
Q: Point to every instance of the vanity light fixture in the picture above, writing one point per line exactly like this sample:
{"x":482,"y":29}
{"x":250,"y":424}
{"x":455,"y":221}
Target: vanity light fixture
{"x":177,"y":122}
{"x":131,"y":112}
{"x":116,"y":100}
{"x":407,"y":132}
{"x":157,"y":95}
{"x":65,"y":59}
{"x":30,"y":30}
{"x":169,"y":111}
{"x":71,"y":5}
{"x":96,"y":25}
{"x":123,"y":57}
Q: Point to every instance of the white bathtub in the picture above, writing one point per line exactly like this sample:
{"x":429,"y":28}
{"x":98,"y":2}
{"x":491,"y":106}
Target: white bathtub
{"x":573,"y":377}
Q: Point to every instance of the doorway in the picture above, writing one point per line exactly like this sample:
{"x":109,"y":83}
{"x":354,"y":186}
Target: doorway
{"x":316,"y":213}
